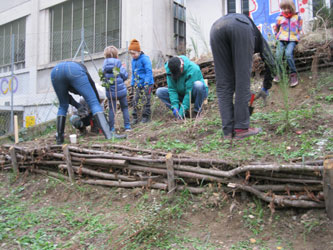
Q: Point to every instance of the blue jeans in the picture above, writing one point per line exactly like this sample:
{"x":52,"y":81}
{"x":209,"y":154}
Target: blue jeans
{"x":66,"y":75}
{"x":288,"y":49}
{"x":124,"y":109}
{"x":199,"y":94}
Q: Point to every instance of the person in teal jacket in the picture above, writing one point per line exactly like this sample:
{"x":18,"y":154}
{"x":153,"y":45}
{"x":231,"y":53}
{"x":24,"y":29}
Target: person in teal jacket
{"x":142,"y":81}
{"x":185,"y":83}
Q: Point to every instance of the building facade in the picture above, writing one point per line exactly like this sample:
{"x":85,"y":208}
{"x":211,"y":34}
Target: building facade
{"x":36,"y":34}
{"x":264,"y":12}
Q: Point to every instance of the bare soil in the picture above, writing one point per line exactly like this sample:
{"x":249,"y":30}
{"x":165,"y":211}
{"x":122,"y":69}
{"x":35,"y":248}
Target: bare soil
{"x":212,"y":218}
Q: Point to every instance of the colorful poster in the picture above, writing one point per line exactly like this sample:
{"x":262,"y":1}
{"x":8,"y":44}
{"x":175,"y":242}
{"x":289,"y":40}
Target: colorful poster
{"x":265,"y":12}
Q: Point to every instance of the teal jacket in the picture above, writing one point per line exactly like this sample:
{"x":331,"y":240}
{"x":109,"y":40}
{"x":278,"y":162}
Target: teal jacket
{"x":179,"y":90}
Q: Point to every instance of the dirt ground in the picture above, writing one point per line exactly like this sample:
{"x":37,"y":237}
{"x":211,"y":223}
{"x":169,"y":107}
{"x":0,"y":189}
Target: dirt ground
{"x":208,"y":221}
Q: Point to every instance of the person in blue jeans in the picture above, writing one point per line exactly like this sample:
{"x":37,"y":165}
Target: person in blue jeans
{"x":185,"y":83}
{"x":117,"y":90}
{"x":73,"y":77}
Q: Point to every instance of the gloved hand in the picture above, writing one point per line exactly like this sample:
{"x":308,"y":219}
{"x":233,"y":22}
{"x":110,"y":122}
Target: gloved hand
{"x":263,"y":93}
{"x":176,"y":113}
{"x":82,"y":111}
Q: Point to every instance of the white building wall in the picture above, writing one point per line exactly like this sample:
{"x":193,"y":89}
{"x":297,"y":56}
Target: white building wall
{"x":205,"y":13}
{"x":149,"y":21}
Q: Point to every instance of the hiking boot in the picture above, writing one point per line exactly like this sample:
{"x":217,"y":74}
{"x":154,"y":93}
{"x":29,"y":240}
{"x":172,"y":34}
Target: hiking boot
{"x":145,"y":120}
{"x":276,"y":79}
{"x":293,"y":79}
{"x":242,"y":133}
{"x":128,"y":128}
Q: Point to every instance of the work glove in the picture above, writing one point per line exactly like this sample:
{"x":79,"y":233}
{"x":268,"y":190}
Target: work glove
{"x":176,"y":113}
{"x":263,"y":93}
{"x":82,"y":111}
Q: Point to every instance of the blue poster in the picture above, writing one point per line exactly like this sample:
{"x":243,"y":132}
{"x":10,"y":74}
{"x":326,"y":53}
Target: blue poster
{"x":265,"y":12}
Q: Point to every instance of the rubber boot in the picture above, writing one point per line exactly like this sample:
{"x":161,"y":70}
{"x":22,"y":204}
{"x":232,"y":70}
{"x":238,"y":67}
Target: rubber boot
{"x":104,"y":126}
{"x":61,"y":122}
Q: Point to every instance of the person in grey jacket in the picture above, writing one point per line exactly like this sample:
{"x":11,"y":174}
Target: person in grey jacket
{"x":234,"y":39}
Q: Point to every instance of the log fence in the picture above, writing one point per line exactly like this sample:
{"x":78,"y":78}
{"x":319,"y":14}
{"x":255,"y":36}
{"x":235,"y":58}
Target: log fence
{"x":296,"y":184}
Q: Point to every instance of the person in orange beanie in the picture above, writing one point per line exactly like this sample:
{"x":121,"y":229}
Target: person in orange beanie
{"x":142,"y":81}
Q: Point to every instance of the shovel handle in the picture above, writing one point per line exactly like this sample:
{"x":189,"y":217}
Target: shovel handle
{"x":252,"y":99}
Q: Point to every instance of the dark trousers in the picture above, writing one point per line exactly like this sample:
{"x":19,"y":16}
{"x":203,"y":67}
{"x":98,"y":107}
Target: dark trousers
{"x":142,"y":101}
{"x":232,"y":43}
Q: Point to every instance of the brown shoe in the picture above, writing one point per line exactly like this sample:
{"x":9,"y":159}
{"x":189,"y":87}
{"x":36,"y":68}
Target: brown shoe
{"x":293,"y":79}
{"x":242,"y":133}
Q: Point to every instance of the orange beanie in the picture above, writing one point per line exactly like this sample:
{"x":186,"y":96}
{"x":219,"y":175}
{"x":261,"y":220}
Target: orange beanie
{"x":134,"y":45}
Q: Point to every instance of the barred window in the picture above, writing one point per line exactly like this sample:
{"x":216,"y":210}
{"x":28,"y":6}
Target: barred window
{"x":100,"y":20}
{"x":179,"y":14}
{"x":231,"y":4}
{"x":16,"y":28}
{"x":245,"y":7}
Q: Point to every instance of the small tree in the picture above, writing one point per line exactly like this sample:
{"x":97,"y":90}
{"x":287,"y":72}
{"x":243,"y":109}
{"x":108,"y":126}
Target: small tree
{"x":107,"y":84}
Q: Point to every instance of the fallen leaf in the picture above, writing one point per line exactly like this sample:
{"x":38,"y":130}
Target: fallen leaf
{"x":253,"y":240}
{"x":299,"y":132}
{"x":279,"y":248}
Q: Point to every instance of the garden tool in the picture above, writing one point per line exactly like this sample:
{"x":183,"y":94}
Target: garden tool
{"x":251,"y":108}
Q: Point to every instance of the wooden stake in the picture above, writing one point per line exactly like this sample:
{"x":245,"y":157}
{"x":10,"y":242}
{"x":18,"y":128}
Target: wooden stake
{"x":206,"y":100}
{"x":190,"y":104}
{"x":14,"y":160}
{"x":16,"y":129}
{"x":170,"y":174}
{"x":68,"y":163}
{"x":328,"y":187}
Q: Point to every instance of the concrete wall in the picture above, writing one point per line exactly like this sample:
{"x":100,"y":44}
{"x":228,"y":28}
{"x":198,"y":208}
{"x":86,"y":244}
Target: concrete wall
{"x":203,"y":13}
{"x":149,"y":21}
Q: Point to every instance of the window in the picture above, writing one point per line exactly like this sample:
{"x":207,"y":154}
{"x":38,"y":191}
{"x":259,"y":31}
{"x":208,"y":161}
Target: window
{"x":245,"y":7}
{"x":16,"y":28}
{"x":98,"y":18}
{"x":179,"y":14}
{"x":231,"y":5}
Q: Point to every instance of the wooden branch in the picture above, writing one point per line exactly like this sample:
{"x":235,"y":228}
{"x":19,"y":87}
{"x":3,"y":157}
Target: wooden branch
{"x":104,"y":162}
{"x":282,"y":188}
{"x":278,"y":201}
{"x":14,"y":160}
{"x":126,"y":184}
{"x":287,"y":180}
{"x":50,"y":173}
{"x":170,"y":174}
{"x":68,"y":163}
{"x":87,"y":171}
{"x":328,"y":187}
{"x":178,"y":173}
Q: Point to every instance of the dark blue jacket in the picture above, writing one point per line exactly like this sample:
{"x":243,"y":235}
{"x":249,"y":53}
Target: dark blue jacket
{"x":142,"y":73}
{"x":108,"y":66}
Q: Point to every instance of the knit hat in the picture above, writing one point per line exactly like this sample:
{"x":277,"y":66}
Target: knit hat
{"x":174,"y":66}
{"x":134,"y":45}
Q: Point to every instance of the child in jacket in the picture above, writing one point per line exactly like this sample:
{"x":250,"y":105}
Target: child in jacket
{"x":116,"y":90}
{"x":142,"y":82}
{"x":287,"y":31}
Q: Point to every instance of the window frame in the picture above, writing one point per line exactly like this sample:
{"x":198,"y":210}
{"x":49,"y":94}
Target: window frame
{"x":90,"y":37}
{"x":179,"y":19}
{"x":18,"y":27}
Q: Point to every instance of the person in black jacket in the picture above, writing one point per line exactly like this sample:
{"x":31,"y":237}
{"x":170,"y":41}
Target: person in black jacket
{"x":74,"y":77}
{"x":234,"y":39}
